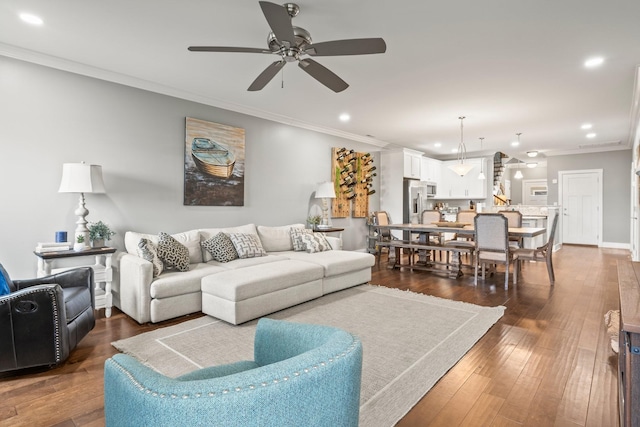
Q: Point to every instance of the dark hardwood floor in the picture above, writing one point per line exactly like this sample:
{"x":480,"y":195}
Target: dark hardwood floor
{"x":547,"y":362}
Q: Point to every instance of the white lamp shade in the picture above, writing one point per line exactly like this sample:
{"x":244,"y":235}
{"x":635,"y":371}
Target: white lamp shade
{"x":81,"y":178}
{"x":461,"y":168}
{"x":518,"y":174}
{"x":326,"y":191}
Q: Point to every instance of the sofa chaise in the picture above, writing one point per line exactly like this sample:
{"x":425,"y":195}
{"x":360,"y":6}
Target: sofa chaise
{"x":241,"y":289}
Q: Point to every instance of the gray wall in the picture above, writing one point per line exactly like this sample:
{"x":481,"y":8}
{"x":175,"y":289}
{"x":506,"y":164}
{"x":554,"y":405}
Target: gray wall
{"x":616,"y":167}
{"x":51,"y":117}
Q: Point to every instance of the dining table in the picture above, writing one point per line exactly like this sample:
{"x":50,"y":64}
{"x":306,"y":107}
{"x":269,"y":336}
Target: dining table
{"x":424,"y":247}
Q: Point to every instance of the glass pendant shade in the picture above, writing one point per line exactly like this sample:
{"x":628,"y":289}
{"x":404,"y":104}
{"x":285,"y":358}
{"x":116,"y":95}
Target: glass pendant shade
{"x":461,"y":168}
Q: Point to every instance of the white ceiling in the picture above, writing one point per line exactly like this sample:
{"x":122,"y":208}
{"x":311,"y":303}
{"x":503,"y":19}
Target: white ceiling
{"x":507,"y":65}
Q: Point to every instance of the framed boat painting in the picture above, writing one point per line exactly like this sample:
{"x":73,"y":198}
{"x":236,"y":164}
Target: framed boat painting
{"x":213,"y":164}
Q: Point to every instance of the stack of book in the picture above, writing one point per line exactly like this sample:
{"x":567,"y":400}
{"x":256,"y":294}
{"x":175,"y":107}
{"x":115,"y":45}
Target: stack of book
{"x":52,"y":247}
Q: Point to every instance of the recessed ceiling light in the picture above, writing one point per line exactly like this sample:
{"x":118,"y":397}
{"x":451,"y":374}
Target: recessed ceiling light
{"x":532,"y":153}
{"x":594,"y":62}
{"x":586,"y":126}
{"x":31,"y":19}
{"x":454,"y":150}
{"x":437,"y":144}
{"x":590,"y":135}
{"x":344,"y":117}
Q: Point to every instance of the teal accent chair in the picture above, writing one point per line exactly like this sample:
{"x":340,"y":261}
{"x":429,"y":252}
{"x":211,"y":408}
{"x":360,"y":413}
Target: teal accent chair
{"x":302,"y":375}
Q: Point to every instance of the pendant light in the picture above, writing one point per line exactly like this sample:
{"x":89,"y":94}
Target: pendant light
{"x":518,"y":174}
{"x":461,"y":168}
{"x":481,"y":176}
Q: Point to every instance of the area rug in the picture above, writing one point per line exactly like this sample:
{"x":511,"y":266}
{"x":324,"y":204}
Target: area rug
{"x":409,"y":341}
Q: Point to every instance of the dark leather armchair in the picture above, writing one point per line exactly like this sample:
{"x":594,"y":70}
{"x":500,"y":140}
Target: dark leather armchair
{"x":43,"y":319}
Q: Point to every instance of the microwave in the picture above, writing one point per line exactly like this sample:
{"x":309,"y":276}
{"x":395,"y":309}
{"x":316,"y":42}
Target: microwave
{"x":430,"y":188}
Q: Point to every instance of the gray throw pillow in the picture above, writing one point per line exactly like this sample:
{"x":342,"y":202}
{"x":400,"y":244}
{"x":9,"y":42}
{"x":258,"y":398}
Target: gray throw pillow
{"x":247,"y":245}
{"x":172,"y":252}
{"x":220,"y":247}
{"x":296,"y":238}
{"x":315,"y":242}
{"x":148,"y":251}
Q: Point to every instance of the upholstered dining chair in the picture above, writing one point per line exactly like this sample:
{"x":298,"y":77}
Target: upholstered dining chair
{"x":301,"y":375}
{"x":515,"y":221}
{"x":463,"y":241}
{"x":492,"y":245}
{"x":430,"y":217}
{"x":542,"y":253}
{"x":43,"y":319}
{"x":384,"y":235}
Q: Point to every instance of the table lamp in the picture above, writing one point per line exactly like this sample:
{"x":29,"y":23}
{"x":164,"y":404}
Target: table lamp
{"x":325,"y":191}
{"x":81,"y":178}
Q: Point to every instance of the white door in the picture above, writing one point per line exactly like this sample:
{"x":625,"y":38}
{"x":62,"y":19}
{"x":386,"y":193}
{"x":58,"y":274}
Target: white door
{"x":581,"y":196}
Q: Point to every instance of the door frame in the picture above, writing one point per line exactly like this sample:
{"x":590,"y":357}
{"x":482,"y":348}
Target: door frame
{"x":599,"y":196}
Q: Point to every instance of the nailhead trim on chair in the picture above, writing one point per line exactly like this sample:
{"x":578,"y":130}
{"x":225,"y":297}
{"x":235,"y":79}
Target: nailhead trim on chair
{"x":146,"y":390}
{"x":56,"y":315}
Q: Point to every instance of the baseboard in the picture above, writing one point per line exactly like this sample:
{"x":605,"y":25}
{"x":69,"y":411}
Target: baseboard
{"x":615,"y":245}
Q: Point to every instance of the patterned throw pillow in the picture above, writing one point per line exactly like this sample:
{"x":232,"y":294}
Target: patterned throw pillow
{"x":296,"y":238}
{"x":315,"y":242}
{"x":148,"y":251}
{"x":247,"y":245}
{"x":172,"y":252}
{"x":220,"y":247}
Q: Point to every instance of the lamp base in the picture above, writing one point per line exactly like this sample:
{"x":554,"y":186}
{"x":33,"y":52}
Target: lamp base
{"x":81,"y":223}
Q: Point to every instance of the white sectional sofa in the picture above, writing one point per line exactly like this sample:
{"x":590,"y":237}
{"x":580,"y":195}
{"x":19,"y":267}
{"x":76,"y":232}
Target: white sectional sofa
{"x":239,"y":290}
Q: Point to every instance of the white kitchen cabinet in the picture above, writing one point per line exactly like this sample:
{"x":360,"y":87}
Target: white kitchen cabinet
{"x":431,"y":170}
{"x":412,"y":164}
{"x":454,"y":186}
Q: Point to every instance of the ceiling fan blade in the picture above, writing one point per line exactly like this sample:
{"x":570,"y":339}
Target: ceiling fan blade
{"x":347,"y":47}
{"x":227,"y":49}
{"x":323,"y":75}
{"x":266,"y":76}
{"x":279,"y":21}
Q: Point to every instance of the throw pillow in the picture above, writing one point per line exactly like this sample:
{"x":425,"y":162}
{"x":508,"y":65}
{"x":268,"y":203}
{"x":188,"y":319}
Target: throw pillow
{"x":220,"y":247}
{"x":296,"y":238}
{"x":247,"y":245}
{"x":315,"y":242}
{"x":172,"y":252}
{"x":147,"y":251}
{"x":6,"y":286}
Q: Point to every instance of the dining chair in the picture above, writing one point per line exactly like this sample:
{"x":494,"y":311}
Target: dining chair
{"x":430,"y":217}
{"x":515,"y":220}
{"x":542,"y":253}
{"x":492,"y":245}
{"x":463,"y":241}
{"x":384,"y":235}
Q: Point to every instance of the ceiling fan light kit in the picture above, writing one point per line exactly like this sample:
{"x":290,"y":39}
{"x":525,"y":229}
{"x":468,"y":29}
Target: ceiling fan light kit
{"x":292,"y":43}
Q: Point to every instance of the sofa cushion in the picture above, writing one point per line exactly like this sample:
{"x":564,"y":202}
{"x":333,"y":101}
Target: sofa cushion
{"x":277,"y":239}
{"x":207,"y":233}
{"x":220,"y":247}
{"x":296,"y":238}
{"x":247,"y":245}
{"x":336,"y":262}
{"x":315,"y":242}
{"x":148,"y":251}
{"x":247,"y":262}
{"x":174,"y":283}
{"x":172,"y":252}
{"x":249,"y":282}
{"x":5,"y":282}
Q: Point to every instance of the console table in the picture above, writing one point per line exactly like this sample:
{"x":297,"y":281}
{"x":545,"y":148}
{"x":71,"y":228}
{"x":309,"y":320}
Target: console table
{"x":55,"y":262}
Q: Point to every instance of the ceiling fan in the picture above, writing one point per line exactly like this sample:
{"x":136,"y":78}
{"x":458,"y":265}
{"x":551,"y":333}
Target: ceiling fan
{"x":291,"y":43}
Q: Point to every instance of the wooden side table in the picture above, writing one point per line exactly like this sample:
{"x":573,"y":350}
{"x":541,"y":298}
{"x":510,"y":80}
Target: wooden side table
{"x":103,"y":272}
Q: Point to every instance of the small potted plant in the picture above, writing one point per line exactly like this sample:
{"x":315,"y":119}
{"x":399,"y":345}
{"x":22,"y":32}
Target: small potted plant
{"x":98,"y":233}
{"x":79,"y":244}
{"x":314,"y":221}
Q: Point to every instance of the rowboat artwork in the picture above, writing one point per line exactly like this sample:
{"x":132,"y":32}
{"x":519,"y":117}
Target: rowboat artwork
{"x":212,"y":157}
